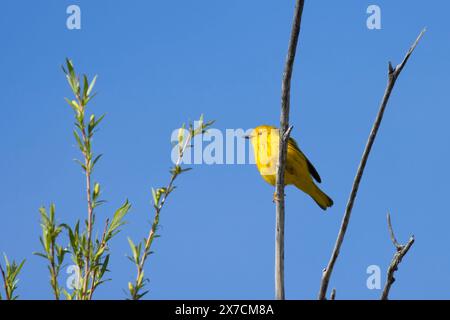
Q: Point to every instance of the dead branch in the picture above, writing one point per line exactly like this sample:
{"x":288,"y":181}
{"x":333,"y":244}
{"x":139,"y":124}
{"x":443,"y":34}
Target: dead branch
{"x":402,"y":250}
{"x":392,"y":78}
{"x":333,"y":294}
{"x":284,"y":136}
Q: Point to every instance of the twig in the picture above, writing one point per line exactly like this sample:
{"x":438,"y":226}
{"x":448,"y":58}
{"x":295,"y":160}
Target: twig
{"x":284,"y":136}
{"x":53,"y":273}
{"x":397,"y":245}
{"x":393,"y":75}
{"x":102,"y":245}
{"x":333,"y":294}
{"x":402,"y":250}
{"x":158,"y":207}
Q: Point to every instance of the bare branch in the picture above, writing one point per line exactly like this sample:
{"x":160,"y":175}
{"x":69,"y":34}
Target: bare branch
{"x":284,"y":136}
{"x":397,"y":245}
{"x":392,"y":78}
{"x":402,"y":250}
{"x":400,"y":67}
{"x":333,"y":294}
{"x":287,"y":134}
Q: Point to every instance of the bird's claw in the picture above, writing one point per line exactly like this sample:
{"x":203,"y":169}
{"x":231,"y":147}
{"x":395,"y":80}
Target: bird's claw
{"x":276,"y":198}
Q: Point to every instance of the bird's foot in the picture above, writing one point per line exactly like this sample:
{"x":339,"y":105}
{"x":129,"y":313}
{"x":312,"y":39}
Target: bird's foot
{"x":276,"y":198}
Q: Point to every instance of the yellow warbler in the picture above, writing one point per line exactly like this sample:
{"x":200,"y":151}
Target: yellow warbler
{"x":299,"y":170}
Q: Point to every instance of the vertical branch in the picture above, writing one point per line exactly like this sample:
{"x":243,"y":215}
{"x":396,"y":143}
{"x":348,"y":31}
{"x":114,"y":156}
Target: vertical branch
{"x":53,"y":272}
{"x":101,"y":247}
{"x":90,"y":254}
{"x":402,"y":250}
{"x":392,"y":78}
{"x":90,"y":208}
{"x":84,"y":132}
{"x":284,"y":136}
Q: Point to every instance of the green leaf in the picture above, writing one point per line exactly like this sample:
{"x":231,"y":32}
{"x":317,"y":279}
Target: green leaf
{"x":104,"y":266}
{"x":96,"y":123}
{"x":52,"y":213}
{"x":207,"y":125}
{"x":134,"y":250}
{"x":96,"y":192}
{"x":90,"y":98}
{"x":78,"y":139}
{"x":71,"y":77}
{"x":40,"y":255}
{"x":117,"y":220}
{"x":142,"y":294}
{"x":185,"y":170}
{"x":60,"y":253}
{"x":47,"y":240}
{"x":141,"y":277}
{"x":19,"y":268}
{"x":68,"y":295}
{"x":181,"y":134}
{"x":130,"y":287}
{"x":73,"y":104}
{"x":99,"y":252}
{"x":96,"y":159}
{"x":94,"y":80}
{"x":70,"y":67}
{"x":155,"y":197}
{"x":85,"y":86}
{"x":91,"y":124}
{"x":44,"y":219}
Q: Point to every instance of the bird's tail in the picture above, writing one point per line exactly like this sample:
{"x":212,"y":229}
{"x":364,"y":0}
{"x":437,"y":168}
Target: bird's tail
{"x":321,"y":198}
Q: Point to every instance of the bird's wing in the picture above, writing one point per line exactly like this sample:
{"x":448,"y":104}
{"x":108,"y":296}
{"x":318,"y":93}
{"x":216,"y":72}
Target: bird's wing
{"x":311,"y":168}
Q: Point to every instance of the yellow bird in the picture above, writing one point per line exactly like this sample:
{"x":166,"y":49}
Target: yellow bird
{"x":299,"y":170}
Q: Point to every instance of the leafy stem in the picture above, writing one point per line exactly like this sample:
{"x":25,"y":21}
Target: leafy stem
{"x":50,"y":233}
{"x":160,"y":196}
{"x":9,"y":277}
{"x":89,"y":254}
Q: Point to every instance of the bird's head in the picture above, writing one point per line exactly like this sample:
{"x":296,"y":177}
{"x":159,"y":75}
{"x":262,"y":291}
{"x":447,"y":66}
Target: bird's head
{"x":263,"y":130}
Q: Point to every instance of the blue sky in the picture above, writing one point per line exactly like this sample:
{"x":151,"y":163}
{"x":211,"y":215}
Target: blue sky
{"x":161,"y":63}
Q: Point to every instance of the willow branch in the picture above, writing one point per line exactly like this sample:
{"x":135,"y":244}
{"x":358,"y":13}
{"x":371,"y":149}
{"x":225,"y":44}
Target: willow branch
{"x":135,"y":295}
{"x":102,"y":245}
{"x":90,"y":207}
{"x":5,"y":284}
{"x":402,"y":250}
{"x":284,"y":136}
{"x":392,"y":78}
{"x":53,"y":273}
